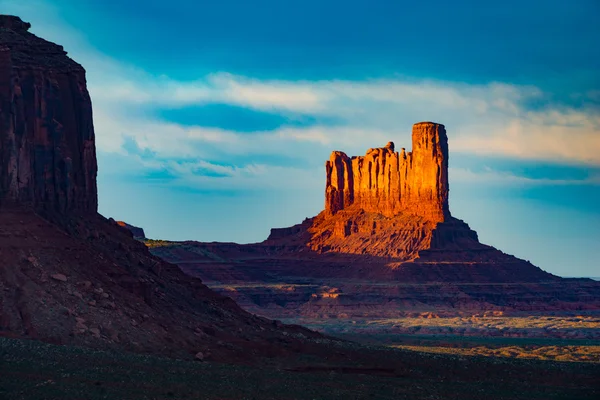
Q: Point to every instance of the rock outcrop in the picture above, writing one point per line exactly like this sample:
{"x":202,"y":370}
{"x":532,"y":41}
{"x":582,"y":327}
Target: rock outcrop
{"x":392,"y":209}
{"x":47,"y":150}
{"x":388,"y":182}
{"x":387,"y":203}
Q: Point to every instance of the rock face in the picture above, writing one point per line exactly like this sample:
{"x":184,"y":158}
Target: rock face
{"x":47,"y":150}
{"x":389,"y":183}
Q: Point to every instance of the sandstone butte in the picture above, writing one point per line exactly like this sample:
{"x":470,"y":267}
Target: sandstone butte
{"x":394,"y":205}
{"x":69,"y":275}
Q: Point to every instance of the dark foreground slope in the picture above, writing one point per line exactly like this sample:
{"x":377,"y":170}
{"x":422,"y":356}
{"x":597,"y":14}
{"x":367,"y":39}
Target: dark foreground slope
{"x":88,"y":282}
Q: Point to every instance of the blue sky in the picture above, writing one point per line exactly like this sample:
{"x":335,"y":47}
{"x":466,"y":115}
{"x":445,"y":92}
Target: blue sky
{"x":214,"y":119}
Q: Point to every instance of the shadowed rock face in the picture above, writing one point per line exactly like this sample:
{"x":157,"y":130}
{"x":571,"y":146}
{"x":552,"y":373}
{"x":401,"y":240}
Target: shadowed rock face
{"x":389,"y":183}
{"x":47,"y":150}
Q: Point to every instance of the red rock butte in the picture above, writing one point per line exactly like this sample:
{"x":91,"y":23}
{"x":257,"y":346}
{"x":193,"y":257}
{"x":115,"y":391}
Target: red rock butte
{"x":390,"y":182}
{"x":47,"y":149}
{"x":387,"y":203}
{"x":385,"y":246}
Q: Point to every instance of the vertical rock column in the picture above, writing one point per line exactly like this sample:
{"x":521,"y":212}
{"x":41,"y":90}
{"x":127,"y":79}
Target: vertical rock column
{"x":340,"y":184}
{"x":425,"y":192}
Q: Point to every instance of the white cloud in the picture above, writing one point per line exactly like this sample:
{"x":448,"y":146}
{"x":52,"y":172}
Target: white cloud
{"x":553,"y":138}
{"x":492,"y":177}
{"x":210,"y":176}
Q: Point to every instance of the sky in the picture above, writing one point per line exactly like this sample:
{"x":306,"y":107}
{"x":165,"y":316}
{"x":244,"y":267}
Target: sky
{"x":213,"y":119}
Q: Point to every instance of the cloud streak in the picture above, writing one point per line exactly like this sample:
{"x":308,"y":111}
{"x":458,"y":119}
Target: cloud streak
{"x":490,"y":176}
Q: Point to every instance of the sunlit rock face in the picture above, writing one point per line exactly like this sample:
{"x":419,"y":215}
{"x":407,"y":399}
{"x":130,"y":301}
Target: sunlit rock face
{"x":388,"y":182}
{"x":47,"y":151}
{"x":389,"y":203}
